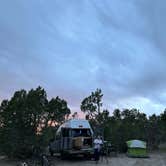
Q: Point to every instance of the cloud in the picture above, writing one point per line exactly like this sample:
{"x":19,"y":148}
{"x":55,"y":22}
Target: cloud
{"x":72,"y":48}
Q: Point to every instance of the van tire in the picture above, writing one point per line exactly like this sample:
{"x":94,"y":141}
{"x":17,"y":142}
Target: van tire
{"x":88,"y":156}
{"x":51,"y":153}
{"x":64,"y":155}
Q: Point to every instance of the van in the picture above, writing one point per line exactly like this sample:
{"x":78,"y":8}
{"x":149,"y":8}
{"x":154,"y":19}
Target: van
{"x":74,"y":137}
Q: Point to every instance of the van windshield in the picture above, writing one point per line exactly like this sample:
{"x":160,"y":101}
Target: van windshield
{"x":81,"y":132}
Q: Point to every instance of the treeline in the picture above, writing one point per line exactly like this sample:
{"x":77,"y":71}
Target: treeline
{"x":30,"y":120}
{"x":124,"y":125}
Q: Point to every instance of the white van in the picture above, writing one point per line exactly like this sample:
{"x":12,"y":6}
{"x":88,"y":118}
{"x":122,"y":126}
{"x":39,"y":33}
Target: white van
{"x":74,"y":137}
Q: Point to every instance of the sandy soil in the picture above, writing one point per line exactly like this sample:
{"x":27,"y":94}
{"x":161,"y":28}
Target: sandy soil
{"x":156,"y":159}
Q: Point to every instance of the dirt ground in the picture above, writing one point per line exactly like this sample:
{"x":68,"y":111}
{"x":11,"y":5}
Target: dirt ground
{"x":156,"y":159}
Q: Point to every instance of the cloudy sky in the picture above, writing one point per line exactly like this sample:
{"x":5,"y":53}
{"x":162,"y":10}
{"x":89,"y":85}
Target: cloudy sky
{"x":72,"y":47}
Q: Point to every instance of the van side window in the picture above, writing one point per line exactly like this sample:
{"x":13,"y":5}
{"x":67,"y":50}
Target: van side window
{"x":65,"y":132}
{"x":81,"y":132}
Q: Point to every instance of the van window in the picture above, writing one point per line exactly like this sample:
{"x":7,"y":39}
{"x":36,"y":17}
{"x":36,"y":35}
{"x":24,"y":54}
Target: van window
{"x":65,"y":132}
{"x":81,"y":133}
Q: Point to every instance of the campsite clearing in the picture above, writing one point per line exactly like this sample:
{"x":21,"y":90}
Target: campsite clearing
{"x":156,"y":159}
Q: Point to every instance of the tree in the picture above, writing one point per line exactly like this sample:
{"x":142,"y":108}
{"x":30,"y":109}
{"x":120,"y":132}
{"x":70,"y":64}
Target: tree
{"x":14,"y":124}
{"x":26,"y":120}
{"x":91,"y":105}
{"x":117,"y":114}
{"x":125,"y":125}
{"x":162,"y":126}
{"x":153,"y":132}
{"x":57,"y":110}
{"x":36,"y":108}
{"x":103,"y":124}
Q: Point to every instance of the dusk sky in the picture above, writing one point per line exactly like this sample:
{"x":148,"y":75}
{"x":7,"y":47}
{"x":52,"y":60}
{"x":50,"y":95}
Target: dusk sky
{"x":72,"y":47}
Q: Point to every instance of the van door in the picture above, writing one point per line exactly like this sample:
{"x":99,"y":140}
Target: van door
{"x":82,"y":138}
{"x":66,"y":139}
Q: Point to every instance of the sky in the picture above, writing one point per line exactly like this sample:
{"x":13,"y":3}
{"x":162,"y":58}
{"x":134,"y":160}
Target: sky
{"x":72,"y":47}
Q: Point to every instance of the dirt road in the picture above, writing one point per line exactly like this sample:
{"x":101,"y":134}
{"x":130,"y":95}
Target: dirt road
{"x":156,"y":159}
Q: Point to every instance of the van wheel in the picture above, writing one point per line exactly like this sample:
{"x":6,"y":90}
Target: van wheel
{"x":64,"y":155}
{"x":87,"y":156}
{"x":51,"y":153}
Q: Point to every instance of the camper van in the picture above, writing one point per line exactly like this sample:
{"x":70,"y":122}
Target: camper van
{"x":74,"y":137}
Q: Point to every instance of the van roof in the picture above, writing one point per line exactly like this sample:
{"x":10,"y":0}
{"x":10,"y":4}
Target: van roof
{"x":76,"y":124}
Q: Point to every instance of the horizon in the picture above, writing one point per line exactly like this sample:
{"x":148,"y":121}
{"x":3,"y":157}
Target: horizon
{"x":81,"y":114}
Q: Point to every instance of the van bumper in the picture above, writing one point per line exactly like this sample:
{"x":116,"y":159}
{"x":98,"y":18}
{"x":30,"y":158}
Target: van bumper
{"x":81,"y":151}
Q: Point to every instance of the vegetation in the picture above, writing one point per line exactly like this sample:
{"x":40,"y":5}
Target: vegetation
{"x":124,"y":125}
{"x":26,"y":121}
{"x":29,"y":119}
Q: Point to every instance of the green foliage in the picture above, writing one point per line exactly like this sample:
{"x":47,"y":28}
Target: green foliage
{"x":91,"y":104}
{"x":47,"y":134}
{"x":25,"y":121}
{"x":124,"y":125}
{"x":57,"y":110}
{"x":131,"y":124}
{"x":162,"y":124}
{"x":98,"y":118}
{"x":29,"y":119}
